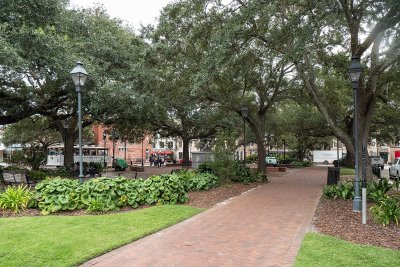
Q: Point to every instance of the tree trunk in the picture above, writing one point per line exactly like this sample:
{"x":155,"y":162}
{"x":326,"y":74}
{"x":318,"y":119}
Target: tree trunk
{"x":185,"y":152}
{"x":69,"y":141}
{"x":261,"y":155}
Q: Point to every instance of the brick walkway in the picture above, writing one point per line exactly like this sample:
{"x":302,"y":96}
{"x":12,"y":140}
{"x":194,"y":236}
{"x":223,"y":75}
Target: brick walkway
{"x":263,"y":227}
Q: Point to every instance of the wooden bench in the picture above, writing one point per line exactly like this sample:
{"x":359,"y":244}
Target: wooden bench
{"x":16,"y":177}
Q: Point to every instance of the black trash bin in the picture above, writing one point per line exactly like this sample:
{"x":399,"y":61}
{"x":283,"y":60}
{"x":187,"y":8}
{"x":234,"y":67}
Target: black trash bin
{"x":333,"y":175}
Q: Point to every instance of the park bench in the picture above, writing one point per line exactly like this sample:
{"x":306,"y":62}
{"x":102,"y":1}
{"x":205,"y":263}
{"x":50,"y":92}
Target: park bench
{"x":16,"y":177}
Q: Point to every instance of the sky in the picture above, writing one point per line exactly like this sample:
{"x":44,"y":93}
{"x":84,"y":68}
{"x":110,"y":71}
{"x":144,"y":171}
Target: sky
{"x":133,"y":11}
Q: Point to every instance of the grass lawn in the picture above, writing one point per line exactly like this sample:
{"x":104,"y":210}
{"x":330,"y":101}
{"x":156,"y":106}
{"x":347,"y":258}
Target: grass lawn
{"x":70,"y":240}
{"x":321,"y":250}
{"x":347,"y":171}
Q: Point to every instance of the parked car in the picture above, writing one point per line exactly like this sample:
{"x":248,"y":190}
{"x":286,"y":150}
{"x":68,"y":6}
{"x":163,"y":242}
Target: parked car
{"x":271,"y":161}
{"x":394,"y":169}
{"x":377,"y":161}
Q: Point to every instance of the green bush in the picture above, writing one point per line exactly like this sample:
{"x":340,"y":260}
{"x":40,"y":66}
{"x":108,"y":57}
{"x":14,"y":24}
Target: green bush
{"x":343,"y":190}
{"x":200,"y":181}
{"x":377,"y":189}
{"x":165,"y":189}
{"x":37,"y":175}
{"x":58,"y":194}
{"x":15,"y":198}
{"x":106,"y":194}
{"x":386,"y":211}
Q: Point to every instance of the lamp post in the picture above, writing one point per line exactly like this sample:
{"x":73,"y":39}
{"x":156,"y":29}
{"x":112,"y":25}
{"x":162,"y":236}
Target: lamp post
{"x":79,"y":76}
{"x":284,"y":149}
{"x":355,"y":73}
{"x":104,"y":152}
{"x":245,"y":112}
{"x":142,"y":152}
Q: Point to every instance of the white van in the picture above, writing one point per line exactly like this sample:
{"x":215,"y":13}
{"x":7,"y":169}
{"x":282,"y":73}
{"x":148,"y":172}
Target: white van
{"x":271,"y":161}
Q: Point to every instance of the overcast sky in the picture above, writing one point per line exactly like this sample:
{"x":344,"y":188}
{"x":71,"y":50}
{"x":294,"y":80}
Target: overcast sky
{"x":133,"y":11}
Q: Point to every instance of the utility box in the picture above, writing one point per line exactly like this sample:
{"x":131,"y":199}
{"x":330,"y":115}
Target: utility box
{"x":201,"y":157}
{"x":333,"y":175}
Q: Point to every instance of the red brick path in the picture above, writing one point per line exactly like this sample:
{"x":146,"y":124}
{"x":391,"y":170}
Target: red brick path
{"x":263,"y":227}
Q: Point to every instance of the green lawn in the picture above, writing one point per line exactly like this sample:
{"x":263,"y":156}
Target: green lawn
{"x":69,"y":240}
{"x":321,"y":250}
{"x":347,"y":171}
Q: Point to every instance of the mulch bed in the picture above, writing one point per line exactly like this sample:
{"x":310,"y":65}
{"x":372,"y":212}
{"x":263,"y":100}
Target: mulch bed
{"x":336,"y":218}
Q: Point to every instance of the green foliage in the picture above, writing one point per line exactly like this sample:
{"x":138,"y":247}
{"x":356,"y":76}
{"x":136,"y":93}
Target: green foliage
{"x":386,"y":211}
{"x":198,"y":181}
{"x":377,"y":189}
{"x":15,"y":198}
{"x":37,"y":175}
{"x":343,"y":190}
{"x":59,"y":194}
{"x":106,"y":194}
{"x":252,"y":158}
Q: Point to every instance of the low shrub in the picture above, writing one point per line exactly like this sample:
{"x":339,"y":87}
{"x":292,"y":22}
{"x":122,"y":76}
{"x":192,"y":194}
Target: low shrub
{"x":37,"y":175}
{"x":15,"y":198}
{"x":377,"y":190}
{"x":386,"y":211}
{"x":106,"y":194}
{"x":202,"y":181}
{"x":343,"y":190}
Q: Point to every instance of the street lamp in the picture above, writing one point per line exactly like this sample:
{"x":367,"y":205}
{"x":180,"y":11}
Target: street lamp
{"x":284,"y":150}
{"x":104,"y":151}
{"x":355,"y":73}
{"x":79,"y":76}
{"x":142,"y":152}
{"x":245,"y":112}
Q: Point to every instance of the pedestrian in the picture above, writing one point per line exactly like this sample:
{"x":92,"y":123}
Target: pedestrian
{"x":162,"y":161}
{"x":151,"y":160}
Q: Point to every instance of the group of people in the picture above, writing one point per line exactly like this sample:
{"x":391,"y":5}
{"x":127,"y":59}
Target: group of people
{"x":157,"y":160}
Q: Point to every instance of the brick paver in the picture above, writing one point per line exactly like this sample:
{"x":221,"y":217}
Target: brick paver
{"x":262,"y":227}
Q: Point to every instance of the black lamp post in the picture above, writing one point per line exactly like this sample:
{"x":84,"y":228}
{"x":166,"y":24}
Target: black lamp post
{"x":79,"y":76}
{"x":104,"y":151}
{"x":245,"y":112}
{"x":355,"y":73}
{"x":142,"y":152}
{"x":284,"y":149}
{"x":113,"y":138}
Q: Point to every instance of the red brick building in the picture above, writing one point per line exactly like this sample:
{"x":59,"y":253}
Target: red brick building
{"x":132,"y":153}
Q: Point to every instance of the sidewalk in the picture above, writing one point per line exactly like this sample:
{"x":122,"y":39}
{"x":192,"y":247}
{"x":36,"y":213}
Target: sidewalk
{"x":263,"y":227}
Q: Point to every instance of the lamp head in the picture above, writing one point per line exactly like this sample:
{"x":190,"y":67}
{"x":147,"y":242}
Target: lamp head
{"x":79,"y":74}
{"x":355,"y":70}
{"x":245,"y":111}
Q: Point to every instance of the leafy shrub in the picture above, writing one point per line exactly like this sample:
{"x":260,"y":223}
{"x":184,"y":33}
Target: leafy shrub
{"x":15,"y":198}
{"x":207,"y":167}
{"x":58,"y":194}
{"x":37,"y":175}
{"x":261,"y":176}
{"x":106,"y":194}
{"x":200,"y":181}
{"x":386,"y":211}
{"x":377,"y":189}
{"x":252,"y":158}
{"x":165,"y":189}
{"x":343,"y":190}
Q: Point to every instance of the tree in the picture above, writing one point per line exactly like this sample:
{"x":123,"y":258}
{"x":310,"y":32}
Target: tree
{"x":35,"y":134}
{"x":176,"y":52}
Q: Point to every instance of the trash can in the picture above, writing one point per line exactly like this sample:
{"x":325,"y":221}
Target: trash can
{"x":333,"y":175}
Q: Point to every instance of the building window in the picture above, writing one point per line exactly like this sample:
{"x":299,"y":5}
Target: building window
{"x":170,"y":145}
{"x":162,"y":145}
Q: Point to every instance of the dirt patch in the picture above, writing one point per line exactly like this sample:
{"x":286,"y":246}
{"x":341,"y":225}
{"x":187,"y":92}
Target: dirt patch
{"x":336,"y":218}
